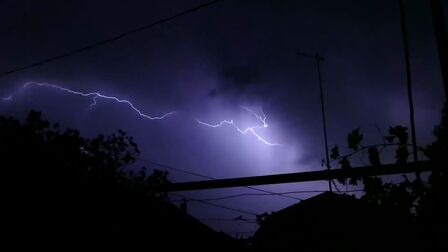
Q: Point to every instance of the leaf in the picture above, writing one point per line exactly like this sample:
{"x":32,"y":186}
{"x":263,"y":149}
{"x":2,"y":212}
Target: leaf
{"x":374,"y":156}
{"x":341,"y":180}
{"x":334,"y":152}
{"x":345,"y":164}
{"x":354,"y":139}
{"x":390,"y":139}
{"x":402,"y":154}
{"x":373,"y":189}
{"x":354,"y":181}
{"x":400,"y":132}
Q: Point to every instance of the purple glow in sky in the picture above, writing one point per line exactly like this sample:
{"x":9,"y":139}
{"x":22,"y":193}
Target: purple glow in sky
{"x":251,"y":129}
{"x":95,"y":95}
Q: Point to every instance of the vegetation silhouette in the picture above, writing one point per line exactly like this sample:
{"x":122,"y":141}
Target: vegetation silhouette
{"x":64,"y":190}
{"x":422,"y":200}
{"x":406,"y":215}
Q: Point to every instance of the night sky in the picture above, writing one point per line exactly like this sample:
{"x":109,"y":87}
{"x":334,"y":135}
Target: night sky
{"x":209,"y":63}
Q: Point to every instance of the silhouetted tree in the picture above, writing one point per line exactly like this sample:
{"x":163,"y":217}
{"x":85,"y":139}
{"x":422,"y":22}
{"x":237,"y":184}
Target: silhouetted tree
{"x":38,"y":155}
{"x":405,"y":215}
{"x":60,"y":187}
{"x":423,"y":201}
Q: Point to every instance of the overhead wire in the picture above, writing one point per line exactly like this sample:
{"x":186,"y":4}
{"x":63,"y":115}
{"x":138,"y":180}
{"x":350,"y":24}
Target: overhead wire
{"x":216,"y":205}
{"x":108,"y":40}
{"x":270,"y":194}
{"x":212,"y":178}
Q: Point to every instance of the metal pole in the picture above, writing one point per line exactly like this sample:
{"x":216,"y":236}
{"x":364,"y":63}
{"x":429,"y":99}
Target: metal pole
{"x":440,"y":30}
{"x":324,"y":122}
{"x":319,"y":58}
{"x":408,"y":78}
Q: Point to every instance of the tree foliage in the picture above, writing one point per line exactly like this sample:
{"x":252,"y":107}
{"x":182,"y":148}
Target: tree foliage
{"x":409,"y":197}
{"x":35,"y":153}
{"x":63,"y":189}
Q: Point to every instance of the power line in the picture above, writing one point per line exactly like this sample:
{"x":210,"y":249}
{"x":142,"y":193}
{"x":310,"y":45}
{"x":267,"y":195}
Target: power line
{"x":241,"y":195}
{"x":216,"y":205}
{"x":174,"y":169}
{"x":223,"y":207}
{"x":212,"y":178}
{"x":271,"y":194}
{"x":109,"y":40}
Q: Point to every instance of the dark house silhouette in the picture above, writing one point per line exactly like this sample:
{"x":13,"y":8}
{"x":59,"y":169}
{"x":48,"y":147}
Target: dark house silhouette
{"x":108,"y":221}
{"x":336,"y":222}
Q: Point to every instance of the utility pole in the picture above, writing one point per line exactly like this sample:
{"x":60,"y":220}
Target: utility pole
{"x":440,"y":31}
{"x":318,"y":59}
{"x":408,"y":77}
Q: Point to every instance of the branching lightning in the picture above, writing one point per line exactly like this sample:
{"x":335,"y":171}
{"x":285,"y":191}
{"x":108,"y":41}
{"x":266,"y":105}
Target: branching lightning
{"x":262,"y":118}
{"x":94,"y":96}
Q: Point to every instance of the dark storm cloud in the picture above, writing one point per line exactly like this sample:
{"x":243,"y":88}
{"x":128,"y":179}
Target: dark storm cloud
{"x":243,"y":54}
{"x":209,"y":63}
{"x":238,"y":78}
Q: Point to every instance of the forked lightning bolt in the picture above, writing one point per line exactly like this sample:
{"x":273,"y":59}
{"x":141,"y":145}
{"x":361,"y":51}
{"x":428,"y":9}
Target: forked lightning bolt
{"x":261,"y":118}
{"x":94,"y":96}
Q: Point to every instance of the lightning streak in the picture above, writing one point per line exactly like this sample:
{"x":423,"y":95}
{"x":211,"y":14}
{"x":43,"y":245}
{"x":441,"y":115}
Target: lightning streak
{"x":262,"y":118}
{"x":94,"y":96}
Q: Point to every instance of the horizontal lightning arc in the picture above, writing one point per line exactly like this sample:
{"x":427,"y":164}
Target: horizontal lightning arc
{"x":95,"y":96}
{"x":262,"y":118}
